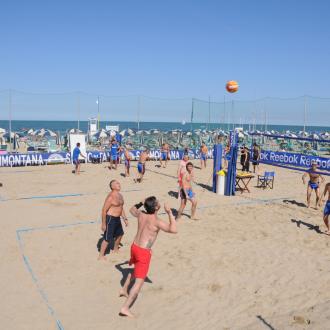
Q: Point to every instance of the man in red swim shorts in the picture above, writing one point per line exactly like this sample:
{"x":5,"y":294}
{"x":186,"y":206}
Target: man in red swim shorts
{"x":148,"y":227}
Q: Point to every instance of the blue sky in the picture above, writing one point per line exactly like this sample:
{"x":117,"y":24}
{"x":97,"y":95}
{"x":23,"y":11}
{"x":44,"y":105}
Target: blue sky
{"x":166,"y":48}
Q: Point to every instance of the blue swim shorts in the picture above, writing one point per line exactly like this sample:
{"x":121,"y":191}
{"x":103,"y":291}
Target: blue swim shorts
{"x":313,"y":185}
{"x":327,"y":208}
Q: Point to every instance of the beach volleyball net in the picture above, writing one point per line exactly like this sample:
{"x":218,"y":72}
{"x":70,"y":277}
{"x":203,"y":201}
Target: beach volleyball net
{"x":189,"y":113}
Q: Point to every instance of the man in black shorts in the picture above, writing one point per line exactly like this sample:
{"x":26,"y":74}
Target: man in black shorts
{"x":112,"y":210}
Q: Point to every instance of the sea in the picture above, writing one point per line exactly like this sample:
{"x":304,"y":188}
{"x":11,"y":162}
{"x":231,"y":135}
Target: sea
{"x":63,"y":126}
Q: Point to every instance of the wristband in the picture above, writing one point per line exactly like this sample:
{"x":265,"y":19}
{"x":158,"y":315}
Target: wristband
{"x":138,"y":205}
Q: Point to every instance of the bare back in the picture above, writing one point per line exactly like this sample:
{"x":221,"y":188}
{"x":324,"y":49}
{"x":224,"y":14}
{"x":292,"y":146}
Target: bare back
{"x":148,"y":229}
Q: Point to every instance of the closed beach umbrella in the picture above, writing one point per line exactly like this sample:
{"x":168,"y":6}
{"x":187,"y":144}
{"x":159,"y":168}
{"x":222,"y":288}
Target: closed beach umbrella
{"x":12,"y":135}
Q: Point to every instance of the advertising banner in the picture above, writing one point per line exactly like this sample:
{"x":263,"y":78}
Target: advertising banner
{"x":33,"y":159}
{"x":293,"y":159}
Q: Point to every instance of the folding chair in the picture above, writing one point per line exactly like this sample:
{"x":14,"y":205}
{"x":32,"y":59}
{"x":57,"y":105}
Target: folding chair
{"x":266,"y":180}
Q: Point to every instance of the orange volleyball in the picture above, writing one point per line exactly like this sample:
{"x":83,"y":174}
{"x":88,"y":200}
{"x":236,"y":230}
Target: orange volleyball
{"x":232,"y":86}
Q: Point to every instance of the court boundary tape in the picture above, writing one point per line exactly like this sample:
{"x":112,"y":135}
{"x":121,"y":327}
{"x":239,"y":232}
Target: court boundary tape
{"x":29,"y":268}
{"x":57,"y":196}
{"x":26,"y":261}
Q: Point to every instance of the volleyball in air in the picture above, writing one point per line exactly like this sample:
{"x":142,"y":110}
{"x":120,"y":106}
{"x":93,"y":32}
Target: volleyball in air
{"x":232,"y":86}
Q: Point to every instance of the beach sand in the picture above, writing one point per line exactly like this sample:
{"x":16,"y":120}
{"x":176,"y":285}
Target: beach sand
{"x":252,"y":261}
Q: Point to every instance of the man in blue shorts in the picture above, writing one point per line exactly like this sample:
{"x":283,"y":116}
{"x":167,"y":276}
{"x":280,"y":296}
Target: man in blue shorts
{"x":141,"y":166}
{"x":112,"y":210}
{"x":326,"y":211}
{"x":164,"y":154}
{"x":203,"y":153}
{"x":113,"y":154}
{"x":75,"y":158}
{"x":313,"y":184}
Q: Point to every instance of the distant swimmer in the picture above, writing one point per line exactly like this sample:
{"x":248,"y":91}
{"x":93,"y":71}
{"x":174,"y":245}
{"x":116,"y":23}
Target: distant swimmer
{"x":141,"y":166}
{"x":313,"y":184}
{"x":127,"y":162}
{"x":112,"y":210}
{"x":203,"y":152}
{"x":186,"y":192}
{"x":164,"y":154}
{"x":326,"y":211}
{"x":148,"y":227}
{"x":114,"y":147}
{"x":75,"y":158}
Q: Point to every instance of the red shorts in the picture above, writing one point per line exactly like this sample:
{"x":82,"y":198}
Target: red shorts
{"x":140,"y":257}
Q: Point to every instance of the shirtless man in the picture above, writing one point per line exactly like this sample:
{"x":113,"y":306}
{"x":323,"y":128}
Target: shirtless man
{"x":313,"y":184}
{"x":182,"y":170}
{"x":112,"y":210}
{"x":141,"y":166}
{"x":127,"y":162}
{"x":203,"y":152}
{"x":186,"y":192}
{"x":148,"y":227}
{"x":164,"y":156}
{"x":326,"y":211}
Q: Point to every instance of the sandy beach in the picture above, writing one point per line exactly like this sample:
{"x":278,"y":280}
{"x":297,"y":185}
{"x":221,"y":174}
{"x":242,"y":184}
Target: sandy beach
{"x":257,"y":260}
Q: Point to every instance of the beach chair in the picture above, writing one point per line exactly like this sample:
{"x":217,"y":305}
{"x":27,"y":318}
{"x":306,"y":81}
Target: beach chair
{"x":266,"y":180}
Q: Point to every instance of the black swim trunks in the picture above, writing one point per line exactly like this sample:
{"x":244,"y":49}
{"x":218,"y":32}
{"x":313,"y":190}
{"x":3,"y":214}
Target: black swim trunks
{"x":183,"y":194}
{"x":113,"y":229}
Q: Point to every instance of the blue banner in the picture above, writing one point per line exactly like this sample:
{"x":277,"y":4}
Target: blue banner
{"x":293,"y":159}
{"x":33,"y":159}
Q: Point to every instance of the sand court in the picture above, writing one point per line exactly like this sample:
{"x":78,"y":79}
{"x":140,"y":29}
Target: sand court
{"x":253,"y":259}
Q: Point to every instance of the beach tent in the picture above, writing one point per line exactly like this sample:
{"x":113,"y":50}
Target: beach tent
{"x":2,"y":131}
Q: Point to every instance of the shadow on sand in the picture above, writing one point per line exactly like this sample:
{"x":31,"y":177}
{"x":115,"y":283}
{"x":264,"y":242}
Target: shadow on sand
{"x":126,"y":271}
{"x":294,"y":202}
{"x":308,"y":225}
{"x":109,"y":247}
{"x":205,"y":186}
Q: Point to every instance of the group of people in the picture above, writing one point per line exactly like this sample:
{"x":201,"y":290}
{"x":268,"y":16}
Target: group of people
{"x":149,"y":225}
{"x":245,"y":157}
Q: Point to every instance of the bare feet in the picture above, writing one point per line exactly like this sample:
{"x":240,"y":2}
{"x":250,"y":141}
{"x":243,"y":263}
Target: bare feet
{"x":123,"y":293}
{"x":126,"y":312}
{"x":116,"y":250}
{"x":194,"y":218}
{"x":102,"y":258}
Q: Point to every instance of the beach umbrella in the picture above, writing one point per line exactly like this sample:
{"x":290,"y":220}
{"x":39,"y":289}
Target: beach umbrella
{"x":12,"y":135}
{"x":127,"y":132}
{"x":325,"y":135}
{"x":314,"y":136}
{"x":75,"y":131}
{"x":48,"y":133}
{"x":100,"y":134}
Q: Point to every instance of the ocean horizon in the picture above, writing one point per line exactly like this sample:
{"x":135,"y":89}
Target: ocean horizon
{"x":64,"y":126}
